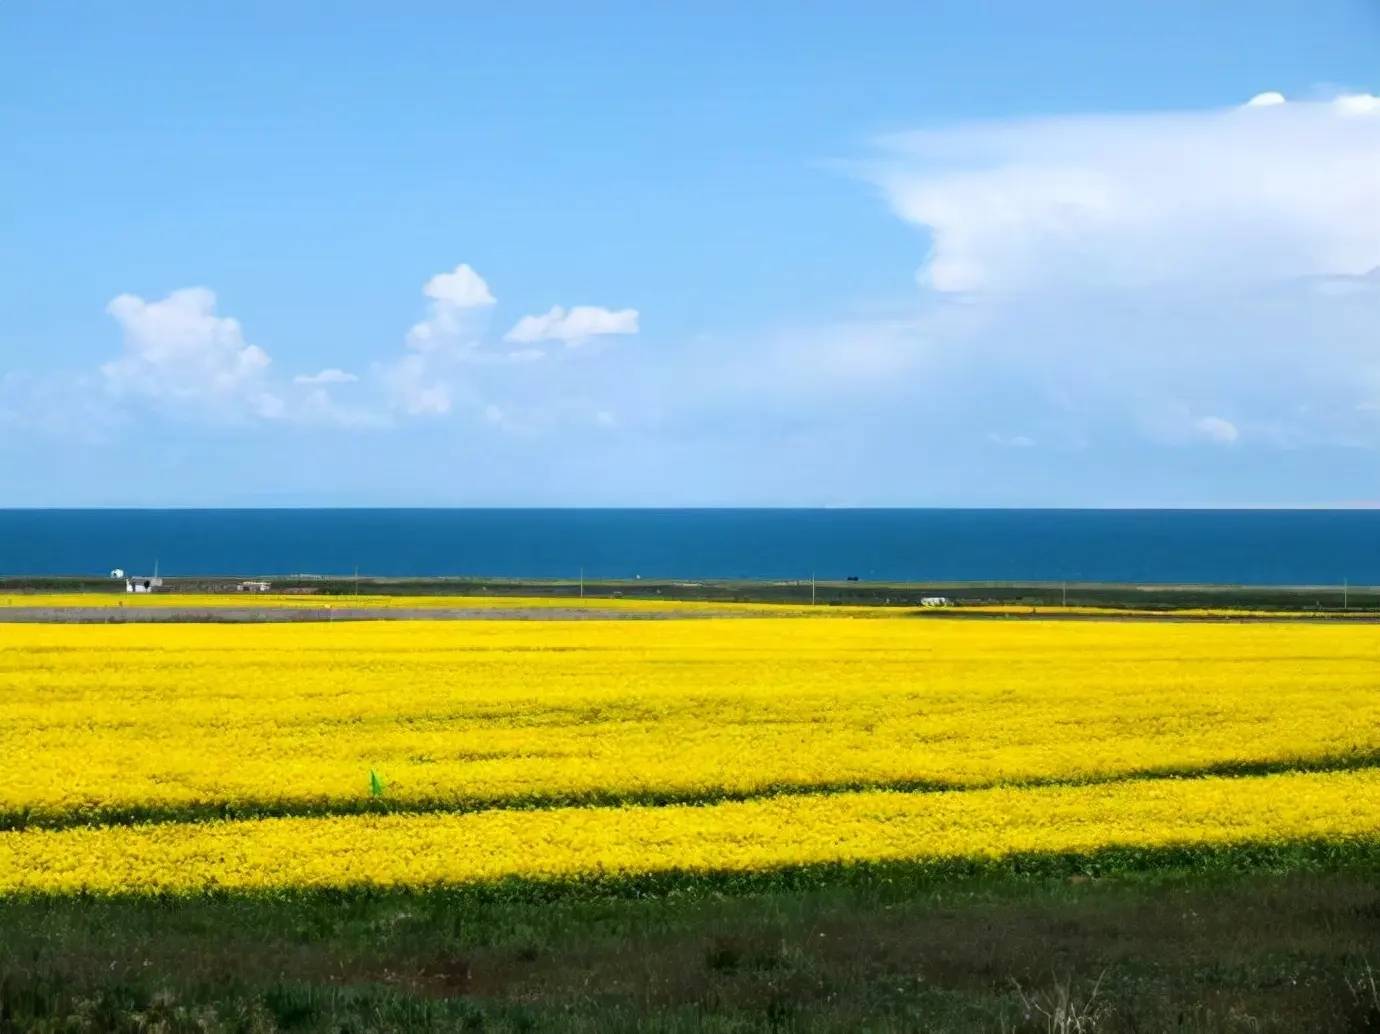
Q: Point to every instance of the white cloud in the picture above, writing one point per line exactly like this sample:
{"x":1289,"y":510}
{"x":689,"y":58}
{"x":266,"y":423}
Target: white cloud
{"x":1268,"y":99}
{"x":1357,"y":104}
{"x":1172,"y":422}
{"x":1109,"y":293}
{"x":1215,"y":429}
{"x":179,"y":350}
{"x":316,"y":406}
{"x":1265,"y":190}
{"x":181,"y":354}
{"x":1011,"y":441}
{"x":573,"y":326}
{"x":331,"y":375}
{"x":415,"y":388}
{"x":453,"y":297}
{"x":452,"y":366}
{"x":1112,"y":286}
{"x":422,"y":383}
{"x":462,"y":288}
{"x":1175,"y":307}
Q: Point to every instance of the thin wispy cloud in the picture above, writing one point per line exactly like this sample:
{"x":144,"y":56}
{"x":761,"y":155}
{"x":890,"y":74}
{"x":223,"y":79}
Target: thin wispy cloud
{"x":573,"y":326}
{"x":330,"y":375}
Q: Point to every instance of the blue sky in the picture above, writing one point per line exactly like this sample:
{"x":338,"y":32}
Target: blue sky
{"x":861,"y":254}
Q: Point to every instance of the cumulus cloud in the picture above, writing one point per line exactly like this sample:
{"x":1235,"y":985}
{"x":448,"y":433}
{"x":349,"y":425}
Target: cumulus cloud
{"x":331,"y":375}
{"x":422,"y":383}
{"x":573,"y":326}
{"x":451,"y":363}
{"x":454,"y":296}
{"x":1268,"y":189}
{"x":183,"y":357}
{"x":462,"y":288}
{"x":1118,"y":308}
{"x":179,"y":350}
{"x":1102,"y":294}
{"x":1114,"y":286}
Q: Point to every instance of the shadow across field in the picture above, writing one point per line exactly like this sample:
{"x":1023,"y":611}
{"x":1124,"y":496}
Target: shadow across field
{"x":17,"y":819}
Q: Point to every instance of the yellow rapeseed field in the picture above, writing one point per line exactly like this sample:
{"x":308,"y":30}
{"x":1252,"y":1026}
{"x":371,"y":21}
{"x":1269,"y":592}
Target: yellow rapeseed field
{"x":119,"y":724}
{"x":568,"y":843}
{"x":101,"y":717}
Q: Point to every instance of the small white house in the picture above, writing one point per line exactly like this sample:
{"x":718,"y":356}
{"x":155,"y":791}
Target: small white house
{"x":936,"y":601}
{"x":253,"y":586}
{"x":138,"y":583}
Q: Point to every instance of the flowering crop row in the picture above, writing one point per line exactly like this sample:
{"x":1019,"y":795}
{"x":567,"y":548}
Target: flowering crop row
{"x":122,"y":721}
{"x":752,"y":836}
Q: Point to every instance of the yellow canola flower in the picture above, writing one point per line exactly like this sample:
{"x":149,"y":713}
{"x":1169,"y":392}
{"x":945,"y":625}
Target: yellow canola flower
{"x":1084,"y":610}
{"x":432,"y":849}
{"x":461,"y":714}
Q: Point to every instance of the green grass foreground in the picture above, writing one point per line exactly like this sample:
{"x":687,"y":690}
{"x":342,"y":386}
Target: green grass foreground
{"x":1259,"y":940}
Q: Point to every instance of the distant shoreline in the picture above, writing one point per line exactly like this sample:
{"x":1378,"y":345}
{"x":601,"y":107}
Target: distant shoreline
{"x":1049,"y":599}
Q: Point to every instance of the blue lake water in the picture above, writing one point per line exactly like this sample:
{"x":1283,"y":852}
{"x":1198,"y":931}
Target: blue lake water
{"x":1233,"y":546}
